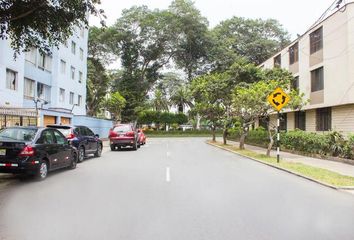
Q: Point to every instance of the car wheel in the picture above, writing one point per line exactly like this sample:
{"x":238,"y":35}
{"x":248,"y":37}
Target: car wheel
{"x":139,"y":144}
{"x":42,"y":171}
{"x":81,"y":154}
{"x":73,"y":161}
{"x":113,"y":148}
{"x":98,"y":153}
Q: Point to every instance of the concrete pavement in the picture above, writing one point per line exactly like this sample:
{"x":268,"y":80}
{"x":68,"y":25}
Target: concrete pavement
{"x":173,"y":189}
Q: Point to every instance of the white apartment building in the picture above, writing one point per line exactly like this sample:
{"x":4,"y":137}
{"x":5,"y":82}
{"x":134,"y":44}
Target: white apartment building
{"x":41,"y":89}
{"x":322,"y":62}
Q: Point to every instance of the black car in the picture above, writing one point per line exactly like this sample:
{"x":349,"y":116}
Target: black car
{"x":82,"y":138}
{"x":35,"y":151}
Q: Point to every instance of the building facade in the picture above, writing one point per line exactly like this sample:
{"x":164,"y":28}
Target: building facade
{"x":38,"y":89}
{"x":322,"y":62}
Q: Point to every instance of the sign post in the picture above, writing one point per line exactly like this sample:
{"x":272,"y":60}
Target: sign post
{"x":278,"y":99}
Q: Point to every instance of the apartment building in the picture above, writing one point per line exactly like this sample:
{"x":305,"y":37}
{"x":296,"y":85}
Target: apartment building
{"x":40,"y":89}
{"x":322,"y":62}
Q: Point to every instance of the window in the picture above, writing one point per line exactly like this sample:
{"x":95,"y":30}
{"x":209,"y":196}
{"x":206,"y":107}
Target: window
{"x":45,"y":62}
{"x":294,"y":53}
{"x":316,"y":40}
{"x":79,"y":100}
{"x":80,"y":77}
{"x":43,"y":92}
{"x":73,"y":47}
{"x":59,"y":138}
{"x":300,"y":120}
{"x":71,"y":100}
{"x":29,"y":88}
{"x":31,"y":56}
{"x":323,"y":119}
{"x":317,"y":80}
{"x":81,"y":54}
{"x":295,"y":83}
{"x":62,"y":66}
{"x":72,"y":73}
{"x":11,"y":79}
{"x":277,"y":61}
{"x":62,"y":95}
{"x":46,"y":138}
{"x":283,"y":124}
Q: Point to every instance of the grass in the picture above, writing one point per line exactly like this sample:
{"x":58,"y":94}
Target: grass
{"x":320,"y":174}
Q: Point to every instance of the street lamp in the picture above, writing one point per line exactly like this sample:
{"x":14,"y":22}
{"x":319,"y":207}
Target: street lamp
{"x":76,"y":104}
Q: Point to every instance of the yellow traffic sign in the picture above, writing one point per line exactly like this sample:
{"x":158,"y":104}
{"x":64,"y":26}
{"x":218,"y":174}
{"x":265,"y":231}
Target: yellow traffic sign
{"x":278,"y":99}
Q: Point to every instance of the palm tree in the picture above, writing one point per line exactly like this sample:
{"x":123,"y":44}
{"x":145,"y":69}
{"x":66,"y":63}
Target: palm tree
{"x":160,"y":102}
{"x":182,"y":98}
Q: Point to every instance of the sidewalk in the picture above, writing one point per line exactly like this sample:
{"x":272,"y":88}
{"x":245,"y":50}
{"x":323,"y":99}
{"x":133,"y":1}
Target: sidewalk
{"x":342,"y":168}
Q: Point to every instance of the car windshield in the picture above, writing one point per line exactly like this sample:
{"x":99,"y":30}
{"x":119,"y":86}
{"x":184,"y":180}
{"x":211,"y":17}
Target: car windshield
{"x":122,"y":128}
{"x":18,"y":134}
{"x":64,"y":131}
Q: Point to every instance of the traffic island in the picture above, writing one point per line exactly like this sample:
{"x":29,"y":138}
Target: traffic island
{"x":322,"y":176}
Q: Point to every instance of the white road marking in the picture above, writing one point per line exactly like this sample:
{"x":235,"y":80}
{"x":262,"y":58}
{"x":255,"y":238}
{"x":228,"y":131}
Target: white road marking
{"x":168,"y":154}
{"x":168,"y":174}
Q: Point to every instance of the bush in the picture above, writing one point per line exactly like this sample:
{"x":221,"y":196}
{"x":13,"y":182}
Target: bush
{"x":258,"y":136}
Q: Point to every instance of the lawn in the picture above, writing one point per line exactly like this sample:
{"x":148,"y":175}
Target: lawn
{"x":320,"y":174}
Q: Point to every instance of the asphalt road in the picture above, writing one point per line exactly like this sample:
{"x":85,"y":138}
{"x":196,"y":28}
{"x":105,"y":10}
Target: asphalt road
{"x":180,"y":189}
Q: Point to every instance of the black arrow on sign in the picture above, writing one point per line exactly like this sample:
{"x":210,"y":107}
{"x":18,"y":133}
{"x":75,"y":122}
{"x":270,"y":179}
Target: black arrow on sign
{"x":284,"y":98}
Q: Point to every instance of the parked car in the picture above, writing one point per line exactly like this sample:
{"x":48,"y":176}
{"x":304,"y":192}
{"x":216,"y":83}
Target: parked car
{"x":35,"y":151}
{"x":141,"y":137}
{"x":123,"y":135}
{"x":82,"y":138}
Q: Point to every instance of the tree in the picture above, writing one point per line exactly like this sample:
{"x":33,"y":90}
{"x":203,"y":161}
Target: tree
{"x":256,"y":40}
{"x":115,"y":104}
{"x":210,"y":92}
{"x":97,"y":86}
{"x":43,"y":24}
{"x":182,"y":97}
{"x":159,"y":101}
{"x":191,"y":39}
{"x":250,"y":100}
{"x":141,"y":38}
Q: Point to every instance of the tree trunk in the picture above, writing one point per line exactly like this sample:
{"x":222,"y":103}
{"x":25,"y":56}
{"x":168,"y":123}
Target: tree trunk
{"x":224,"y":136}
{"x":198,"y":122}
{"x":213,"y":132}
{"x":271,"y":141}
{"x":242,"y":140}
{"x":244,"y":134}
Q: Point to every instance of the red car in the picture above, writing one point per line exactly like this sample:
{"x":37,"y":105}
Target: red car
{"x":123,"y":135}
{"x":142,"y":137}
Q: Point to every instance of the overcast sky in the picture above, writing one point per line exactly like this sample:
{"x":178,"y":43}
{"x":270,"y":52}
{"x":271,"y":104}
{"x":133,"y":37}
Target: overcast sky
{"x":296,"y":16}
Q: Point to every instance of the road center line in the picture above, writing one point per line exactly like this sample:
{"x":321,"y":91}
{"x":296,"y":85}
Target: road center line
{"x":168,"y":174}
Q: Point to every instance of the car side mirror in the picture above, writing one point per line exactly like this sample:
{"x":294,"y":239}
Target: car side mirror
{"x":97,"y":136}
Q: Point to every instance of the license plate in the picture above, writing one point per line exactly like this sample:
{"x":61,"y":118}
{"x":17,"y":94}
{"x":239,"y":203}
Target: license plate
{"x":2,"y":152}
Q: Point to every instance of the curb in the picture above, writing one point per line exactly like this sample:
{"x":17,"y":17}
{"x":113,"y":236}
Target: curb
{"x":286,"y":170}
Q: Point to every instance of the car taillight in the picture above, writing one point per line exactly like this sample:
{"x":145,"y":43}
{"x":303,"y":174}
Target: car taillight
{"x":112,"y":133}
{"x":70,"y":136}
{"x":130,"y":134}
{"x":28,"y":151}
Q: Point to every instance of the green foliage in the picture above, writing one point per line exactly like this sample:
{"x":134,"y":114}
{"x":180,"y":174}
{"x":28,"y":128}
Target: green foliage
{"x":97,"y":86}
{"x":254,"y":39}
{"x":258,"y":136}
{"x":43,"y":24}
{"x":157,"y":117}
{"x":191,"y":41}
{"x":329,"y":144}
{"x":115,"y":103}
